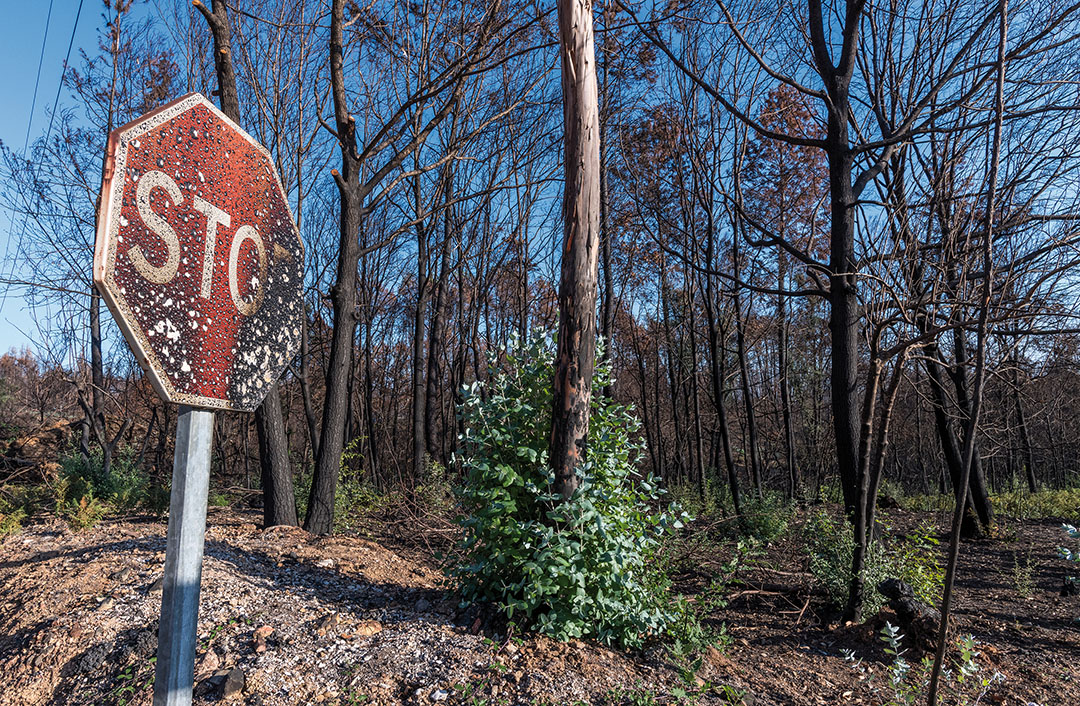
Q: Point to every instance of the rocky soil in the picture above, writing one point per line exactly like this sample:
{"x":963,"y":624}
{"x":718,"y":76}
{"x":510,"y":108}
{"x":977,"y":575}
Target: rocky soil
{"x":289,"y":618}
{"x":285,"y":618}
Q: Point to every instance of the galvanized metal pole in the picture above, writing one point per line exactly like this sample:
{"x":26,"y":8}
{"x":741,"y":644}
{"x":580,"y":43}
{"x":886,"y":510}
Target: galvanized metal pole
{"x":174,"y":672}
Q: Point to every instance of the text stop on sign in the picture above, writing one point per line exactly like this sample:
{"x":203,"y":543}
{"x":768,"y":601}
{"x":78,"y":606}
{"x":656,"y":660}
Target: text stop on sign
{"x":198,"y":256}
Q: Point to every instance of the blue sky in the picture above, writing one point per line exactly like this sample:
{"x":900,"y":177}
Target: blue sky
{"x":20,"y":50}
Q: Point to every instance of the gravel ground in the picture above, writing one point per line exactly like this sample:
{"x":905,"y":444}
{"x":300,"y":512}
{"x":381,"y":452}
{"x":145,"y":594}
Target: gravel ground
{"x":285,"y":618}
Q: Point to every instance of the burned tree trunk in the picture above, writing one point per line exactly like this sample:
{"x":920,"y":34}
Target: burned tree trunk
{"x":576,"y":350}
{"x":279,"y":504}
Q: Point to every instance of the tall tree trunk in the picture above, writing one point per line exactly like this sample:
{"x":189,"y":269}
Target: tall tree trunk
{"x":717,"y":356}
{"x":433,"y":445}
{"x":744,"y":374}
{"x":576,"y":348}
{"x":844,"y":319}
{"x":782,"y":367}
{"x":419,"y":385}
{"x":695,"y":391}
{"x":320,"y":513}
{"x":607,"y":308}
{"x":980,"y":495}
{"x":1021,"y":420}
{"x":843,"y":292}
{"x":269,"y":422}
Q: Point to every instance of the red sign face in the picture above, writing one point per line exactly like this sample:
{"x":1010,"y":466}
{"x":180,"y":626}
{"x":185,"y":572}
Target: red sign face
{"x":198,"y":257}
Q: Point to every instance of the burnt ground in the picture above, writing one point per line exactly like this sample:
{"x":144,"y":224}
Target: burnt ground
{"x":289,"y":618}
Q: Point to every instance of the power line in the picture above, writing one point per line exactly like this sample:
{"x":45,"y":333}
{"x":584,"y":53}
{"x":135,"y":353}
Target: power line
{"x":63,"y":71}
{"x":26,"y":140}
{"x":48,"y":131}
{"x":37,"y":80}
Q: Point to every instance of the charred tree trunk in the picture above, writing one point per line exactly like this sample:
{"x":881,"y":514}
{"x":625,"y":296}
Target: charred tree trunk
{"x":576,"y":351}
{"x":438,"y":319}
{"x":276,"y":471}
{"x":1021,"y":421}
{"x":607,"y":307}
{"x":320,"y":513}
{"x":744,"y":375}
{"x":980,"y":495}
{"x":782,"y":366}
{"x":717,"y":356}
{"x":419,"y":385}
{"x":949,"y":446}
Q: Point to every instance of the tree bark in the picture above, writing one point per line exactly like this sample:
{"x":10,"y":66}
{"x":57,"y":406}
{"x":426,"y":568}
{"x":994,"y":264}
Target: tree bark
{"x":438,"y":326}
{"x":576,"y":347}
{"x":276,"y":471}
{"x":1021,"y":420}
{"x":980,"y":495}
{"x":744,"y":373}
{"x":320,"y":512}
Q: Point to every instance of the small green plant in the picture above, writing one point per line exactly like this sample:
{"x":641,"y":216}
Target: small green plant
{"x":915,"y":560}
{"x":766,"y":518}
{"x":830,"y":545}
{"x":689,"y":637}
{"x":906,"y":684}
{"x":1023,"y":575}
{"x":135,"y":679}
{"x":85,"y":512}
{"x":217,"y":499}
{"x":566,"y":567}
{"x":11,"y":517}
{"x":638,"y":695}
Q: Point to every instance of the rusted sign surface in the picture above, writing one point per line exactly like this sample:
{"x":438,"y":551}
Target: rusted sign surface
{"x":198,"y":257}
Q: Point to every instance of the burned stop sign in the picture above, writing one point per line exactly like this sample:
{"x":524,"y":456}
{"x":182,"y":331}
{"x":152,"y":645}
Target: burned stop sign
{"x":198,"y":256}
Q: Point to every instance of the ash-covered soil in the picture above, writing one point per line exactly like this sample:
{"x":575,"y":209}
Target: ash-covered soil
{"x":290,"y":618}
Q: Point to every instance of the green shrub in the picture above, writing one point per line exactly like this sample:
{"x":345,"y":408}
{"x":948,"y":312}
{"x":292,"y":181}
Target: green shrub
{"x":830,"y":545}
{"x":568,"y":568}
{"x":1021,"y":504}
{"x":715,"y":503}
{"x":915,"y":560}
{"x":767,"y":517}
{"x":905,"y":684}
{"x":85,"y":492}
{"x":216,"y":498}
{"x":11,"y":517}
{"x":17,"y":502}
{"x":354,"y":498}
{"x":85,"y":512}
{"x":124,"y":485}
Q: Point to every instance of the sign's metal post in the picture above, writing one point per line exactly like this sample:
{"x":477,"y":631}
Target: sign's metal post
{"x":174,"y":672}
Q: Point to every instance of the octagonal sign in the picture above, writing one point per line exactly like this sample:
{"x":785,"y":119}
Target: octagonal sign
{"x":198,"y":256}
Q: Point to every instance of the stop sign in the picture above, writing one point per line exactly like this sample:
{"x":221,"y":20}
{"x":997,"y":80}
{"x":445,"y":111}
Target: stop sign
{"x":198,"y":257}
